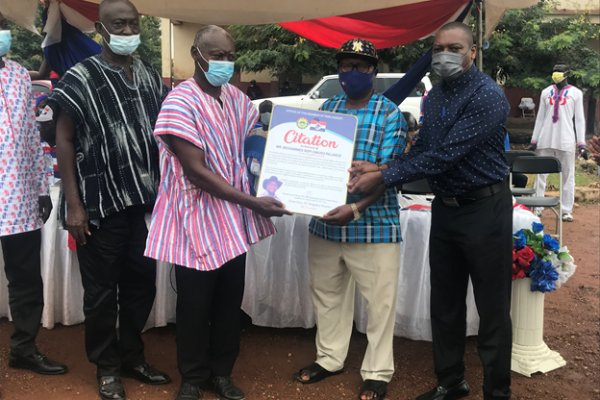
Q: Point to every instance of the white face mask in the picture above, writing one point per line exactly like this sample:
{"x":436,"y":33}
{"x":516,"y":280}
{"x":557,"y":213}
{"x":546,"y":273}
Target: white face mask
{"x":447,"y":65}
{"x":123,"y":45}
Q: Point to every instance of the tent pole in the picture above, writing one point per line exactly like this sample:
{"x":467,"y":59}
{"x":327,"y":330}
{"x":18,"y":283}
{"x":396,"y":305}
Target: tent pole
{"x":479,"y":4}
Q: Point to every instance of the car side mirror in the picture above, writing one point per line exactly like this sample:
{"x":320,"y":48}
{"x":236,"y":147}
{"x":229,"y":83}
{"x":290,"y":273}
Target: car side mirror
{"x":315,"y":95}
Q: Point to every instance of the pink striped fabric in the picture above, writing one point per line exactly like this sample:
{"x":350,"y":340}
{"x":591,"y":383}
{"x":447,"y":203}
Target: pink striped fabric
{"x":190,"y":227}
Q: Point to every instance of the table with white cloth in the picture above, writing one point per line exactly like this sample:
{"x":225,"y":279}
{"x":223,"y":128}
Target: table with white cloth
{"x":277,"y":290}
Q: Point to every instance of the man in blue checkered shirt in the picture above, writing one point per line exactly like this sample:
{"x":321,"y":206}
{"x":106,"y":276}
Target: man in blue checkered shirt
{"x":358,"y":243}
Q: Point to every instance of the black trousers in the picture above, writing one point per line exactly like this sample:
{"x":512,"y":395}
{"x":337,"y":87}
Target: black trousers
{"x":25,"y":288}
{"x":474,"y":240}
{"x":208,"y":320}
{"x":118,"y":282}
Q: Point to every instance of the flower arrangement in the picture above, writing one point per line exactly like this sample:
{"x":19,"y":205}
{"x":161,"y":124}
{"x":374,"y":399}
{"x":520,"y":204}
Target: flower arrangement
{"x":537,"y":256}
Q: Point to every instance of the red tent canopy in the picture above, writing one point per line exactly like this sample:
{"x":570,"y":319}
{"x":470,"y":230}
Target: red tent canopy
{"x":385,"y":27}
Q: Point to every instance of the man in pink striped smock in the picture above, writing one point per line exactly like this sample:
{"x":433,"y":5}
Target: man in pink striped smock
{"x":205,"y":219}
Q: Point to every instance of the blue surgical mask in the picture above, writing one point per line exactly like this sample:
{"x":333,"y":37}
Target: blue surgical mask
{"x":123,"y":45}
{"x":356,"y":84}
{"x":219,"y":72}
{"x":5,"y":42}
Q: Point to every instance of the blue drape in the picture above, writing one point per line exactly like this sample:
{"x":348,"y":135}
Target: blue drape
{"x":74,"y":47}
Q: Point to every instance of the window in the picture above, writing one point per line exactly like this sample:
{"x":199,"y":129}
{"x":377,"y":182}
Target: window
{"x":330,"y":88}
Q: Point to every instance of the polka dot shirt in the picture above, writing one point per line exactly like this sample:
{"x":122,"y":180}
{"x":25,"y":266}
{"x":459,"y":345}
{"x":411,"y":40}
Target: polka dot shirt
{"x":460,"y":146}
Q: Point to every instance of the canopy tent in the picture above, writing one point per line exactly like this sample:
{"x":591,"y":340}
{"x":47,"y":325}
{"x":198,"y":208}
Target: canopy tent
{"x":387,"y":27}
{"x":267,"y":11}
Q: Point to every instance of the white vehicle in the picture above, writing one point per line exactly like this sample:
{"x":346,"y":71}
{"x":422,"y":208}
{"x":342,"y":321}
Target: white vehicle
{"x":329,"y":86}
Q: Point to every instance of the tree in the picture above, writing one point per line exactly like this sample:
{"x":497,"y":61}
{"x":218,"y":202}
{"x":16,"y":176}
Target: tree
{"x":285,"y":54}
{"x":150,"y":48}
{"x":26,"y":48}
{"x":526,"y":45}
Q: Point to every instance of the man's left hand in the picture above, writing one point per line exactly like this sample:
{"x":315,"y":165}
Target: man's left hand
{"x":45,"y":204}
{"x":365,"y":183}
{"x":340,"y":215}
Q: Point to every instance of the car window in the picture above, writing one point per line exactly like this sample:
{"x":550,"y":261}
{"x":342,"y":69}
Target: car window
{"x":330,"y":88}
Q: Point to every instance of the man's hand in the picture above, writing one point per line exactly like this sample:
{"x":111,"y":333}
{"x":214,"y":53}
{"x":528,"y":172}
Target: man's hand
{"x":77,"y":223}
{"x":340,"y":215}
{"x":269,"y":207}
{"x":45,"y":206}
{"x":594,"y":148}
{"x":362,"y":167}
{"x":365,"y":183}
{"x":532,"y":147}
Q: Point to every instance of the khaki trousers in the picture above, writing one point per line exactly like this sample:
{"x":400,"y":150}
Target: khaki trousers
{"x":335,"y":269}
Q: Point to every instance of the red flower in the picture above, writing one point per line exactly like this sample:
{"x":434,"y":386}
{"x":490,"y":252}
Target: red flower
{"x":518,"y":272}
{"x":524,"y":256}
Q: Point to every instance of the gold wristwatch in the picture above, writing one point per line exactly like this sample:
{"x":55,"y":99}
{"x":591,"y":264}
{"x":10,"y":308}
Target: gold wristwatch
{"x":355,"y":211}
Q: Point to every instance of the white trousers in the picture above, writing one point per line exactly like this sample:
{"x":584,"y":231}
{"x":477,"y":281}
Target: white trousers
{"x":335,"y":269}
{"x":567,"y":162}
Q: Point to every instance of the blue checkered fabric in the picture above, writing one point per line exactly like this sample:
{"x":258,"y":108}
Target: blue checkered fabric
{"x":380,"y":138}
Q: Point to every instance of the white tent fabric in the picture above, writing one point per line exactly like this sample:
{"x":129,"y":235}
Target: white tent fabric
{"x":243,"y":12}
{"x":21,"y":12}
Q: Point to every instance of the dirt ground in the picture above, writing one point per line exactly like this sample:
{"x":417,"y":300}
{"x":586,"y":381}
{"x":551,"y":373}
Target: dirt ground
{"x":270,"y":356}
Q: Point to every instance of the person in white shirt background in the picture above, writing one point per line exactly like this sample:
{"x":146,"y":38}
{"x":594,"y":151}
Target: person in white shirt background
{"x":559,"y":126}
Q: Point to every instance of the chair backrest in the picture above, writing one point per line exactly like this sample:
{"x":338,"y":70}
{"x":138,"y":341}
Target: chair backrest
{"x":527,"y":103}
{"x":511,"y":155}
{"x":416,"y":187}
{"x":536,"y":165}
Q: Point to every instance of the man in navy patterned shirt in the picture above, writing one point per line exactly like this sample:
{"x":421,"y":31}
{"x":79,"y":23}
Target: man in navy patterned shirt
{"x":358,"y":243}
{"x":460,"y":151}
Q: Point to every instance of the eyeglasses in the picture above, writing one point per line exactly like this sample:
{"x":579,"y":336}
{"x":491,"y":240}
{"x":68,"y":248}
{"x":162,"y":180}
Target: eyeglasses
{"x":364,"y":68}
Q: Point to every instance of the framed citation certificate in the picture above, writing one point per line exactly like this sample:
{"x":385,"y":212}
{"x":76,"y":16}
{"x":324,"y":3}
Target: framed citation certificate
{"x":306,"y":160}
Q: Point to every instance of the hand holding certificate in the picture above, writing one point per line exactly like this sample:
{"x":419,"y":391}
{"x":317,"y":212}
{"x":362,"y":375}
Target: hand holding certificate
{"x":307,"y":157}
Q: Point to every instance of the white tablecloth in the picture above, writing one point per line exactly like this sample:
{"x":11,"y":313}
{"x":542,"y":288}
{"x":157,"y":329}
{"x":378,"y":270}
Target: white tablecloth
{"x":277,"y":282}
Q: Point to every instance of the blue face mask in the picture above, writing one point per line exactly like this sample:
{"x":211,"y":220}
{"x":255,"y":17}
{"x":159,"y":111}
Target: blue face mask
{"x":121,"y":44}
{"x":219,"y":72}
{"x":5,"y":42}
{"x":356,"y":84}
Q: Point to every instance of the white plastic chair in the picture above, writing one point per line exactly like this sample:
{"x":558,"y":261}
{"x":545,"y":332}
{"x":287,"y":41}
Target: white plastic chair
{"x":527,"y":107}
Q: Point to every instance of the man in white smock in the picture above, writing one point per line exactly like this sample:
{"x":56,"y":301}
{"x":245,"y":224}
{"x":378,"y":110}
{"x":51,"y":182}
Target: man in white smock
{"x":560,"y":124}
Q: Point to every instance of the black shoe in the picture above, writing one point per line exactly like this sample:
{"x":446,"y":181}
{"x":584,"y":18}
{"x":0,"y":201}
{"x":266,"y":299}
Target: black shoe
{"x":226,"y":389}
{"x":187,"y":391}
{"x":457,"y":391}
{"x":37,"y":362}
{"x":147,"y":374}
{"x":111,"y":388}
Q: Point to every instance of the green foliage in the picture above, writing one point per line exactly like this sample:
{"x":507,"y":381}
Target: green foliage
{"x":286,"y":54}
{"x":26,"y":48}
{"x":527,"y":44}
{"x":261,"y":47}
{"x":150,"y":48}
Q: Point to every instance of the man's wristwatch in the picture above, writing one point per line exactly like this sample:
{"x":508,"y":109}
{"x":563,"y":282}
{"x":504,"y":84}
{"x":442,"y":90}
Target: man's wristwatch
{"x":355,"y":211}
